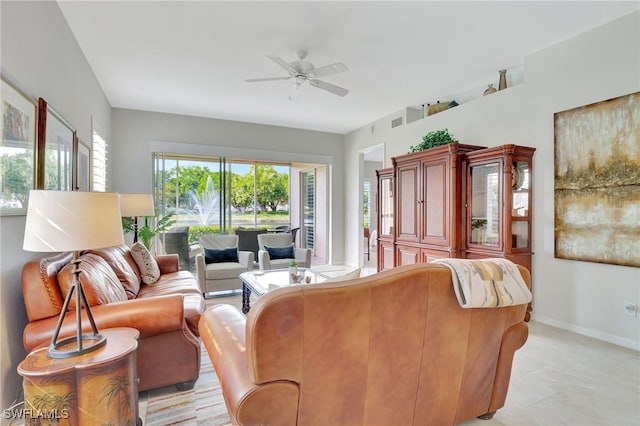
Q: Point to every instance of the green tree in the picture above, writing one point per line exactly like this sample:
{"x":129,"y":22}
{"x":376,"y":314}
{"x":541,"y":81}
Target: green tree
{"x":17,"y":176}
{"x":241,"y":191}
{"x":272,"y":187}
{"x":190,"y":178}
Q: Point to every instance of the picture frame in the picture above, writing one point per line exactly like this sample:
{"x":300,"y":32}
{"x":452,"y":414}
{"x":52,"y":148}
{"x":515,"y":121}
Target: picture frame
{"x":81,"y":166}
{"x":17,"y":148}
{"x":55,"y":150}
{"x":597,"y":182}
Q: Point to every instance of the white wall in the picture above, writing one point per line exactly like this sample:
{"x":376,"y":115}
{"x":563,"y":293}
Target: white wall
{"x":135,"y":131}
{"x":603,"y":63}
{"x":40,"y":54}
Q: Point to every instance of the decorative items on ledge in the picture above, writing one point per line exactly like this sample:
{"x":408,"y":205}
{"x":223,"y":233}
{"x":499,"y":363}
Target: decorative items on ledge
{"x":421,"y":111}
{"x":502,"y":84}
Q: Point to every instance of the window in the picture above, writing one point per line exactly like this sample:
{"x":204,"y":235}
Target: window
{"x":99,"y":158}
{"x":308,"y":208}
{"x":221,"y":193}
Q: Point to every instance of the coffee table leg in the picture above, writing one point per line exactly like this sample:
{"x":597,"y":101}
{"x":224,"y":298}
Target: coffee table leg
{"x":246,"y":294}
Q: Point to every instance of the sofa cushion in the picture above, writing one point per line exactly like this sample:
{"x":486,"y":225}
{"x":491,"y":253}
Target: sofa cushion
{"x":149,"y":270}
{"x":220,"y":255}
{"x":100,"y":283}
{"x":223,"y":271}
{"x":180,"y":282}
{"x":280,"y":252}
{"x":120,"y":260}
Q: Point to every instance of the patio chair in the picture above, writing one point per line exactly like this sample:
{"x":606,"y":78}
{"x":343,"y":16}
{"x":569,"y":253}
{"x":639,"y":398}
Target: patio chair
{"x":248,"y":239}
{"x":277,"y":251}
{"x":177,"y":241}
{"x":221,"y":263}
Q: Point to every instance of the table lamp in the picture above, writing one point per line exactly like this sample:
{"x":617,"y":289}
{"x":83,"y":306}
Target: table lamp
{"x":72,"y":221}
{"x":134,"y":205}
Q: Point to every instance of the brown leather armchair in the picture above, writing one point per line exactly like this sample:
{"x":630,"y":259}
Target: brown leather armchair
{"x":394,"y":348}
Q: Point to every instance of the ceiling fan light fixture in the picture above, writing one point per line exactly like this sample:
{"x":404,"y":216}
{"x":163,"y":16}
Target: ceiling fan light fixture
{"x":303,"y":71}
{"x":297,"y":86}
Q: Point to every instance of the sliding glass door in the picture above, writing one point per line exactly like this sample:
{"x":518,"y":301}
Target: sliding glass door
{"x":220,"y":194}
{"x":308,"y":208}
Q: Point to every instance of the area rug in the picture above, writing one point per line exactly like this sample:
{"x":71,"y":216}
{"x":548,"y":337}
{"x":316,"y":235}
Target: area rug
{"x":202,"y":405}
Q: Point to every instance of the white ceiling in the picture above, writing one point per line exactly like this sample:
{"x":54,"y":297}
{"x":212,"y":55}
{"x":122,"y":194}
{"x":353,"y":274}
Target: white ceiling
{"x":193,"y":57}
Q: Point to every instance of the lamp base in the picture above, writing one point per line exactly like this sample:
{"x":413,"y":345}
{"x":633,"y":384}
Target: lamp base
{"x":64,"y":349}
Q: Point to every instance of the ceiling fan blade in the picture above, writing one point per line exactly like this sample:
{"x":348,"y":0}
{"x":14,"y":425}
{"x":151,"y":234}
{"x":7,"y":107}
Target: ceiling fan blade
{"x":336,"y":90}
{"x":254,"y":80}
{"x":291,"y":70}
{"x":329,"y":69}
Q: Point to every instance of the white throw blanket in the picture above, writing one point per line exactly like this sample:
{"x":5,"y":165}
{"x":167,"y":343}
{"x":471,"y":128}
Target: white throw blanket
{"x":487,"y":283}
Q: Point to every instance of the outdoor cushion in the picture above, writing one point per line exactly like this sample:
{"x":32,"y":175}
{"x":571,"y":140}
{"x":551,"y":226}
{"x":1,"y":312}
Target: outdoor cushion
{"x":221,"y":255}
{"x":280,"y":252}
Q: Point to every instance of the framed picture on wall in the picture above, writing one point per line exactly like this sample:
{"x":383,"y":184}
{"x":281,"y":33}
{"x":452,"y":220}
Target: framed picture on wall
{"x":82,"y":166}
{"x":55,"y":154}
{"x":597,"y":182}
{"x":17,"y":149}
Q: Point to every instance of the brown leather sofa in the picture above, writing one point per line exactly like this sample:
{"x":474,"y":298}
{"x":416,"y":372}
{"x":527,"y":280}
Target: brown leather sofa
{"x":166,"y":313}
{"x":393,"y":348}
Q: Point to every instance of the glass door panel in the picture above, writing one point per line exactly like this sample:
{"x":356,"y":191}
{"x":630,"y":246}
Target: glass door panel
{"x":519,"y":234}
{"x":520,"y":188}
{"x":485,"y":204}
{"x":386,"y":206}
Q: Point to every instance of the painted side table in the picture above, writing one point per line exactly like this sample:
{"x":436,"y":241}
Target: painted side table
{"x":96,"y":388}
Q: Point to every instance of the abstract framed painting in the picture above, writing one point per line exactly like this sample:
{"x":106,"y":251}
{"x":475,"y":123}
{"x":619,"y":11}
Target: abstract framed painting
{"x":17,"y":149}
{"x":597,"y":182}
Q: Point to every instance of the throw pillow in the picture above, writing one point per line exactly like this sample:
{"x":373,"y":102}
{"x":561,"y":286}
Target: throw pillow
{"x":221,"y":255}
{"x":280,"y":252}
{"x":149,"y":269}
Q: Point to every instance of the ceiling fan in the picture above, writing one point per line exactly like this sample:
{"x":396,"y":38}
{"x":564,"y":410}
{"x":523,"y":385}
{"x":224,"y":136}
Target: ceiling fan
{"x":302,"y":71}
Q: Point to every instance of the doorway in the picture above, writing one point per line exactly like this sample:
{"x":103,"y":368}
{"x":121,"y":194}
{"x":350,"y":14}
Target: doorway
{"x":370,"y":160}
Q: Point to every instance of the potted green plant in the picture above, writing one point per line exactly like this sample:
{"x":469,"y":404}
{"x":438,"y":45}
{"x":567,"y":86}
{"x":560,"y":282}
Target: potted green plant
{"x":433,"y":139}
{"x":293,"y":270}
{"x":148,"y":231}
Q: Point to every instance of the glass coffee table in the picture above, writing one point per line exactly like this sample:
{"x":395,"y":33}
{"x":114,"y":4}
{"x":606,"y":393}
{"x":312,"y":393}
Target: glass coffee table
{"x":261,"y":282}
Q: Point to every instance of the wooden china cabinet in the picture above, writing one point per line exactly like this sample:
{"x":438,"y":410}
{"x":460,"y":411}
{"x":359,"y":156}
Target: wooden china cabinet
{"x":498,"y":204}
{"x":461,"y":201}
{"x":428,"y":203}
{"x":386,"y":248}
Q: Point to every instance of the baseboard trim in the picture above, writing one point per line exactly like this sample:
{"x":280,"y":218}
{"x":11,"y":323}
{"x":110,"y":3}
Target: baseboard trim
{"x":606,"y":337}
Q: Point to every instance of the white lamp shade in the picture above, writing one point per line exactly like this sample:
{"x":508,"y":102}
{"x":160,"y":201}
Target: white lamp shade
{"x":132,"y":205}
{"x":68,"y":221}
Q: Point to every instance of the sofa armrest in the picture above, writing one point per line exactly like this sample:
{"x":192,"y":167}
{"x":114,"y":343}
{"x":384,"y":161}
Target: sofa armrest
{"x":303,"y":256}
{"x":151,"y":316}
{"x":245,"y":258}
{"x":168,"y":263}
{"x":201,"y":267}
{"x":264,"y":260}
{"x":222,"y":329}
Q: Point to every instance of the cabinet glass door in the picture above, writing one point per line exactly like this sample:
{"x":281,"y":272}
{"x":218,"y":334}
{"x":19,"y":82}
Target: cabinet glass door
{"x":386,"y":206}
{"x":485,"y":204}
{"x":520,"y":184}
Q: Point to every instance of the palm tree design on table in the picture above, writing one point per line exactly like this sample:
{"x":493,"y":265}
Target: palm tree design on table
{"x":52,"y":406}
{"x":118,"y":392}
